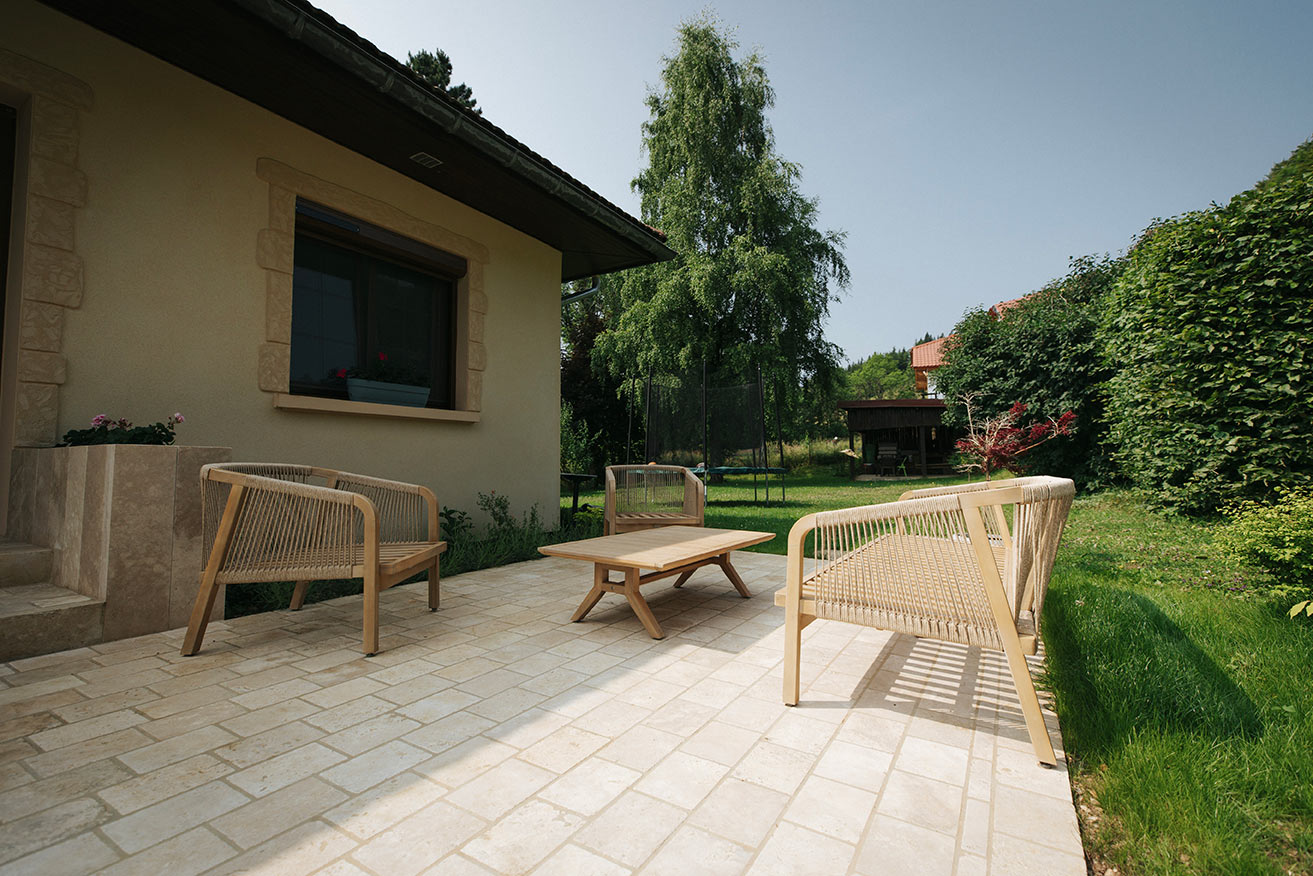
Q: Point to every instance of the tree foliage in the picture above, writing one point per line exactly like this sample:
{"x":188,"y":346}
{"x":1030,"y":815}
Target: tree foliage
{"x":752,"y":283}
{"x":882,"y":375}
{"x":435,"y":69}
{"x":1043,"y":351}
{"x":1209,"y":328}
{"x":598,"y":409}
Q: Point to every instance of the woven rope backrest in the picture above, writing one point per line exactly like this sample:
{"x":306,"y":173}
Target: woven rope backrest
{"x":908,"y":566}
{"x":1038,"y":522}
{"x":214,"y":494}
{"x":295,"y":527}
{"x":402,"y":512}
{"x":648,"y":489}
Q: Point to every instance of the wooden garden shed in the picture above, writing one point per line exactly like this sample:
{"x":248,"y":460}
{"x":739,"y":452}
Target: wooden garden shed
{"x":899,"y":436}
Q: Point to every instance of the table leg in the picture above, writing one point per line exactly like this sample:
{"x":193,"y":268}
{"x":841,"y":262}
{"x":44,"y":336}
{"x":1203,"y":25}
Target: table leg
{"x":733,"y":575}
{"x":679,"y":582}
{"x":640,"y":606}
{"x":599,"y":577}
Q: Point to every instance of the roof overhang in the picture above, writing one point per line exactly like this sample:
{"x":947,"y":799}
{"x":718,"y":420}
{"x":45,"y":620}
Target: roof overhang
{"x":298,"y":62}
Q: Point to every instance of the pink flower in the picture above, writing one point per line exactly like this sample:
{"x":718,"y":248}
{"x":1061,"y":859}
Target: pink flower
{"x":99,"y":420}
{"x":382,"y":357}
{"x":179,"y":418}
{"x":341,"y":372}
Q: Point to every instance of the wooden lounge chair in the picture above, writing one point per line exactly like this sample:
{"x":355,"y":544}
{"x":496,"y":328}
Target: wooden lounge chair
{"x":941,"y":563}
{"x":644,"y":496}
{"x":270,"y":522}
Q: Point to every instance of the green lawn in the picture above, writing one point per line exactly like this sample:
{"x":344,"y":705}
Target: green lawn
{"x":1186,"y":701}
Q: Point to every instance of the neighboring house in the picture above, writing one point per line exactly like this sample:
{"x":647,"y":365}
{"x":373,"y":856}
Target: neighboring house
{"x":218,"y":205}
{"x":925,"y":359}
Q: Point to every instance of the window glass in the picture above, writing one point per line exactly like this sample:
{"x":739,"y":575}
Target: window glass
{"x":353,"y":309}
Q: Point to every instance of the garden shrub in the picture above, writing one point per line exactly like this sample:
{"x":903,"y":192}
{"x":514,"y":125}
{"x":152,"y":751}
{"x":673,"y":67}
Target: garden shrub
{"x":1208,"y":329}
{"x":1044,"y":352}
{"x":1277,"y":537}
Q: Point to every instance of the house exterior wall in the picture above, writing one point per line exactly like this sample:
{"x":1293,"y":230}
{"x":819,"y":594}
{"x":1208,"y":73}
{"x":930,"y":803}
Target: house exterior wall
{"x":182,"y":242}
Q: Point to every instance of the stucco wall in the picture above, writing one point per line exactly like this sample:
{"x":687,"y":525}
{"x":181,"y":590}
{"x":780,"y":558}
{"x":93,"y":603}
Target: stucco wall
{"x":173,"y":309}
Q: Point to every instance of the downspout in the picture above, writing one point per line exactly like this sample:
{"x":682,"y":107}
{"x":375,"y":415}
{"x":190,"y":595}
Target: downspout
{"x":575,"y":296}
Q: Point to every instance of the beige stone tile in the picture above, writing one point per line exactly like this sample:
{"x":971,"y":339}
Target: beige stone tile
{"x":740,"y":811}
{"x":680,"y":716}
{"x":34,"y":796}
{"x":193,"y":852}
{"x":13,"y":776}
{"x":893,"y":846}
{"x":832,"y":808}
{"x":137,"y":793}
{"x":285,"y":769}
{"x":73,"y":756}
{"x":721,"y":742}
{"x":268,"y":717}
{"x":340,"y":717}
{"x":84,"y":731}
{"x":50,"y":826}
{"x":631,"y":829}
{"x":278,"y":673}
{"x":872,"y":731}
{"x":552,"y":681}
{"x":976,"y":827}
{"x":81,"y":711}
{"x":572,"y":860}
{"x":923,"y":802}
{"x":1019,"y":769}
{"x":774,"y":766}
{"x":795,"y":851}
{"x":191,"y":719}
{"x":299,"y":852}
{"x":563,"y":748}
{"x":152,"y":757}
{"x":83,"y":854}
{"x":438,"y":705}
{"x":154,"y":824}
{"x":368,"y":769}
{"x":1013,"y":856}
{"x":457,"y":766}
{"x":693,"y":850}
{"x":934,"y":760}
{"x":275,"y":693}
{"x":1034,"y":818}
{"x":364,"y":815}
{"x":269,"y":816}
{"x":682,"y":779}
{"x":444,"y":733}
{"x":369,"y":734}
{"x":752,"y":713}
{"x":523,"y":837}
{"x":184,"y":702}
{"x":337,"y":694}
{"x":342,"y":868}
{"x":416,"y":842}
{"x":590,"y":786}
{"x":458,"y":865}
{"x":854,"y":765}
{"x":800,"y":730}
{"x":267,"y":745}
{"x":505,"y":786}
{"x":507,"y":704}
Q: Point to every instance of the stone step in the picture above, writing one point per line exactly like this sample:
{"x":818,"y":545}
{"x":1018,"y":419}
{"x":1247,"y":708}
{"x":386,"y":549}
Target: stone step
{"x":22,"y":564}
{"x":42,"y":618}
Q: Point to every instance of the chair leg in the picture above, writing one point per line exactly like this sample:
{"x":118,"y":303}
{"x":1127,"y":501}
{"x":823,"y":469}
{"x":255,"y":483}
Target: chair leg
{"x":1039,"y":732}
{"x":792,"y":657}
{"x":200,"y":613}
{"x":298,"y":595}
{"x":435,"y":596}
{"x":370,"y":637}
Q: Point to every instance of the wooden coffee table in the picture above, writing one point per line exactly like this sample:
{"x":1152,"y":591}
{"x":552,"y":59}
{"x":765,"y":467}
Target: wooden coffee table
{"x":667,"y":550}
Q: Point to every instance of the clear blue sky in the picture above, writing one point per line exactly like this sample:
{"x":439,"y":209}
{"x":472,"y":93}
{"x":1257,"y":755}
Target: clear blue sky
{"x":967,"y":149}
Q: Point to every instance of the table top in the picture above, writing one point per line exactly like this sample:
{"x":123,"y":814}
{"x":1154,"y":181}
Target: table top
{"x":664,"y":547}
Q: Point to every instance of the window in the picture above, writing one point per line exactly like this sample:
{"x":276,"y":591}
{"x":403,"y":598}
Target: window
{"x":362,"y":296}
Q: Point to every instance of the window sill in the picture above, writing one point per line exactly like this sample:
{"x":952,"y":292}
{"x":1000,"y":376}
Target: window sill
{"x":288,"y":402}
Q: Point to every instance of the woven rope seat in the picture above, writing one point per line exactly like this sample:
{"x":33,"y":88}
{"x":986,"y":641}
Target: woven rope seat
{"x":265,"y":522}
{"x":968,"y":564}
{"x":644,"y":496}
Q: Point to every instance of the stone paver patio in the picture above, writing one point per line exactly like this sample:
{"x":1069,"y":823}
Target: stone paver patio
{"x":496,"y":737}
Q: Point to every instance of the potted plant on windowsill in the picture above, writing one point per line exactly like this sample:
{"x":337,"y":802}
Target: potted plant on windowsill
{"x":386,"y":382}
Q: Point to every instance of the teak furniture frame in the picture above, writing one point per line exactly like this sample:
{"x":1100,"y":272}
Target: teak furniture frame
{"x":644,"y":496}
{"x":941,"y":563}
{"x":668,"y":551}
{"x":268,"y":522}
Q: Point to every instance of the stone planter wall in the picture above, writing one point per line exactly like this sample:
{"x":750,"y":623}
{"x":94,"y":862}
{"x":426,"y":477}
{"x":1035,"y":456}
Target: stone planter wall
{"x":124,"y":522}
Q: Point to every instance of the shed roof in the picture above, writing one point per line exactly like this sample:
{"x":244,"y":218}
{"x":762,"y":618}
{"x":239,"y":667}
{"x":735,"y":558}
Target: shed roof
{"x":297,"y":61}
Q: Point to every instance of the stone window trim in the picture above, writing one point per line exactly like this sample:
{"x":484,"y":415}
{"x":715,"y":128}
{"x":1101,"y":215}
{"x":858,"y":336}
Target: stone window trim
{"x":274,"y":253}
{"x":45,"y":271}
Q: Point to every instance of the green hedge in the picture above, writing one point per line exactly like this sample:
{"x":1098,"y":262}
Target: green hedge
{"x":1209,"y":329}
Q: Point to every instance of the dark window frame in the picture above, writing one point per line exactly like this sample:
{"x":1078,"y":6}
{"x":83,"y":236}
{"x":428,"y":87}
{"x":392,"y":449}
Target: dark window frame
{"x":374,"y":245}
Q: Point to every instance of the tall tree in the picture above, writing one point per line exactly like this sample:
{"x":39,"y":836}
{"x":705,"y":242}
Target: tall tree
{"x":435,"y":69}
{"x":751,"y":286}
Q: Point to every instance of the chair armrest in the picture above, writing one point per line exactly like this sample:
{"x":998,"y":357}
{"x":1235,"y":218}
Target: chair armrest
{"x":406,"y":512}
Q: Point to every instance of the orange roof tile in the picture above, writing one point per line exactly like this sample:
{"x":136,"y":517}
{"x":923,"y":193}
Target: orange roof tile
{"x":930,"y":355}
